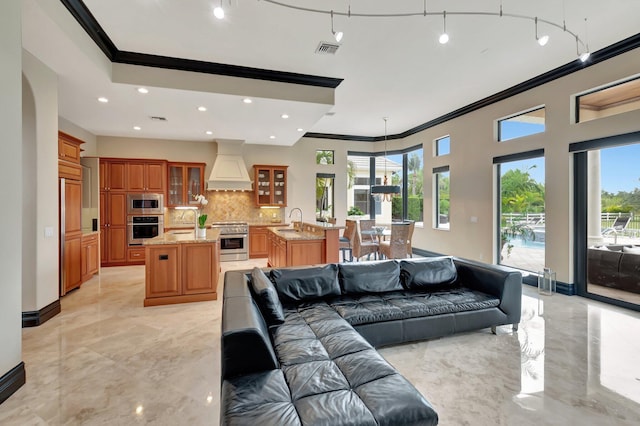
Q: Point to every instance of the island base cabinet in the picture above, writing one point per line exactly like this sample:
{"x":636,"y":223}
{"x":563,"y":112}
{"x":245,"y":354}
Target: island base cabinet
{"x":181,"y":273}
{"x":162,"y":271}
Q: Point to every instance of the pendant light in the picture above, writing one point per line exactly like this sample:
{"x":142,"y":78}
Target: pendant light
{"x":385,"y":192}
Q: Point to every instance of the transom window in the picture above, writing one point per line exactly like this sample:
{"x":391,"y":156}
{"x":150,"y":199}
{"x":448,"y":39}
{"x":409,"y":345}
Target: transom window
{"x":521,"y":124}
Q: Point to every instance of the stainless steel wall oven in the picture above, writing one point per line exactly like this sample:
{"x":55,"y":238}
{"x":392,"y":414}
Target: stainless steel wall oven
{"x":139,"y":228}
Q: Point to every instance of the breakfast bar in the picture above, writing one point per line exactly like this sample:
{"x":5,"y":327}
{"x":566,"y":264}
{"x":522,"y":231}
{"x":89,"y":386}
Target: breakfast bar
{"x":303,"y":244}
{"x":181,"y":268}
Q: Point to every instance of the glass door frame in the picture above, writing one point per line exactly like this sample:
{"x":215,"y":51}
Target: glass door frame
{"x":580,"y":211}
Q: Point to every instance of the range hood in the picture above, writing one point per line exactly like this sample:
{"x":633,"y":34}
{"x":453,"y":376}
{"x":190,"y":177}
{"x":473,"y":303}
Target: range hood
{"x":229,"y":172}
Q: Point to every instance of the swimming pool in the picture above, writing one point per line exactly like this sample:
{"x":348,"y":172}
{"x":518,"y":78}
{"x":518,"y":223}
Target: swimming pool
{"x":518,"y":242}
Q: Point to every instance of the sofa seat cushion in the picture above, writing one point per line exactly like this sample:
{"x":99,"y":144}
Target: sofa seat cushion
{"x":261,"y":398}
{"x":372,"y":308}
{"x":335,"y":375}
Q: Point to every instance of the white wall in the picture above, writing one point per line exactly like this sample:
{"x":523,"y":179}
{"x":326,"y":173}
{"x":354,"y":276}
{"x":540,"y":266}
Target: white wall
{"x":42,"y":251}
{"x":11,"y":195}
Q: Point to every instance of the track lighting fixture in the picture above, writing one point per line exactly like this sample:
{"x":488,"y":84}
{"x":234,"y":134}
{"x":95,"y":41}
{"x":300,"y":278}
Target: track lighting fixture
{"x":337,"y":35}
{"x":444,"y":37}
{"x":542,"y":40}
{"x":218,"y":11}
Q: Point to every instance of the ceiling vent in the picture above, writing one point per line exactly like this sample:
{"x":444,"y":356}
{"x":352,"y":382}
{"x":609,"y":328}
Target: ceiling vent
{"x":155,"y":118}
{"x":326,"y":48}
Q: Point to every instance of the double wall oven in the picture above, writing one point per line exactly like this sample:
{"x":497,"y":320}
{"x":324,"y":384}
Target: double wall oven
{"x":145,"y":217}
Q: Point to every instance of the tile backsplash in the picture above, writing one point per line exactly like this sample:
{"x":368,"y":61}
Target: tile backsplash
{"x":226,"y":206}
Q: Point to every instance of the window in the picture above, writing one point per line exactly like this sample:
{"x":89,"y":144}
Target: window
{"x":361,"y":200}
{"x":358,"y":185}
{"x":441,"y":200}
{"x":324,"y":196}
{"x":611,"y":100}
{"x":324,"y":157}
{"x":522,"y":124}
{"x":415,"y":193}
{"x":521,"y":216}
{"x":442,"y":146}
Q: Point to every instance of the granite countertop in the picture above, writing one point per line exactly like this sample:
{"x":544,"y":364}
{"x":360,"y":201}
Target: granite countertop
{"x":213,"y":235}
{"x":291,"y":234}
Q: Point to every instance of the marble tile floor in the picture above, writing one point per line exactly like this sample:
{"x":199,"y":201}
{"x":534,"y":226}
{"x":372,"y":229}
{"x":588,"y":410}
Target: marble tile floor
{"x":106,"y":360}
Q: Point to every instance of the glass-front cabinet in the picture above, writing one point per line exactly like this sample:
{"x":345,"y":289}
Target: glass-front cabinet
{"x":270,"y":185}
{"x":185,"y":181}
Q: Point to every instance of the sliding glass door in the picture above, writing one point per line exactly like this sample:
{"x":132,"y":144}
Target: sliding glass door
{"x":613,"y":223}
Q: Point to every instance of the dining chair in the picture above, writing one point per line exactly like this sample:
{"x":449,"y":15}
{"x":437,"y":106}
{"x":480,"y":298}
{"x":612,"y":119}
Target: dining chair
{"x":396,"y":246}
{"x":412,"y":225}
{"x":345,"y":241}
{"x":367,"y":225}
{"x":363,"y":248}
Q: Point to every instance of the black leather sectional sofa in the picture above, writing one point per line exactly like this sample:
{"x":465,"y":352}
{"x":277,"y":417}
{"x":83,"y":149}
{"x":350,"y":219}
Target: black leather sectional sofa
{"x":298,"y":343}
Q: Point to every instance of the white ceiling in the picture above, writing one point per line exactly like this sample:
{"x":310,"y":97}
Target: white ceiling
{"x":391,"y":67}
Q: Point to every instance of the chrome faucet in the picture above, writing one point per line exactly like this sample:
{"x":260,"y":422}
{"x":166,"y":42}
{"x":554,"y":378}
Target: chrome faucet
{"x":300,"y":210}
{"x":195,"y":218}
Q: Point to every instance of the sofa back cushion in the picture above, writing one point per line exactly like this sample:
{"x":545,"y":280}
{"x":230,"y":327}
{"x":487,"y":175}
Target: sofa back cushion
{"x":428,"y":272}
{"x":297,"y":285}
{"x":369,"y":277}
{"x":267,"y":297}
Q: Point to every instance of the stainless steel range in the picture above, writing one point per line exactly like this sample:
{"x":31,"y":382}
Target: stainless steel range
{"x":234,"y":240}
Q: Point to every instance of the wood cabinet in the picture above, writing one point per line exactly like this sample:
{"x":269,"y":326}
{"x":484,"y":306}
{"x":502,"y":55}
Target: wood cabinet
{"x":184,"y":181}
{"x":259,"y":240}
{"x":69,"y":148}
{"x":180,"y":273}
{"x":135,"y":255}
{"x":71,"y":239}
{"x":90,"y":260}
{"x":270,"y":185}
{"x":113,"y":175}
{"x":317,"y":245}
{"x":146,"y":176}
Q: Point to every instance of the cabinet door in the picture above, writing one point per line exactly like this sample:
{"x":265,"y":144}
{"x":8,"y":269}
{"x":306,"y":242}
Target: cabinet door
{"x":104,"y":246}
{"x":264,"y":186}
{"x":72,"y":206}
{"x":194,"y":182}
{"x":155,"y":177}
{"x":258,"y":244}
{"x":92,"y":258}
{"x":162,"y":271}
{"x":72,"y":263}
{"x":197,"y":268}
{"x":176,"y":186}
{"x":279,"y":195}
{"x":135,"y":177}
{"x":104,"y":175}
{"x":117,"y":209}
{"x":117,"y":176}
{"x":117,"y":250}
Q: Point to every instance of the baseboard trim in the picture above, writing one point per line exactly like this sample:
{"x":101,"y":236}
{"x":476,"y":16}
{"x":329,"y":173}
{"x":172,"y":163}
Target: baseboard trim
{"x":12,"y":381}
{"x":36,"y":318}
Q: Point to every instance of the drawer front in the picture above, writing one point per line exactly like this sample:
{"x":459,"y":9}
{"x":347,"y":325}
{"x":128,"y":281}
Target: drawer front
{"x":135,"y":254}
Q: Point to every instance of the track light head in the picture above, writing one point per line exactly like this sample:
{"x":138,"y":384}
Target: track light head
{"x":218,"y":11}
{"x":584,"y":56}
{"x":542,"y":40}
{"x":444,"y":37}
{"x":336,"y":34}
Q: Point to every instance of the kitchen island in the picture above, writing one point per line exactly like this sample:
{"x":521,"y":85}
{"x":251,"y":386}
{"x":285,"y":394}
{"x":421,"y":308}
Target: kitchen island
{"x":305,"y":244}
{"x":181,"y":268}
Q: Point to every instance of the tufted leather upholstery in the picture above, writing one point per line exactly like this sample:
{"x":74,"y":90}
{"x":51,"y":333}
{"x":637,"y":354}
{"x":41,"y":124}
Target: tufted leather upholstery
{"x":319,"y":367}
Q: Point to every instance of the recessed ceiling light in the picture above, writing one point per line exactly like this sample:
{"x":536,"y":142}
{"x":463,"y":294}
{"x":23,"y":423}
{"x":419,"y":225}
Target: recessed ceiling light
{"x":272,"y":137}
{"x":103,"y":99}
{"x":247,"y":100}
{"x":202,"y":109}
{"x":300,"y":129}
{"x":285,"y":116}
{"x":137,"y":128}
{"x":143,"y":90}
{"x":209,"y":132}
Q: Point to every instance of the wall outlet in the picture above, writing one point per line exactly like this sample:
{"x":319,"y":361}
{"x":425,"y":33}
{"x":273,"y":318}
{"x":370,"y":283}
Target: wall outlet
{"x":474,"y":219}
